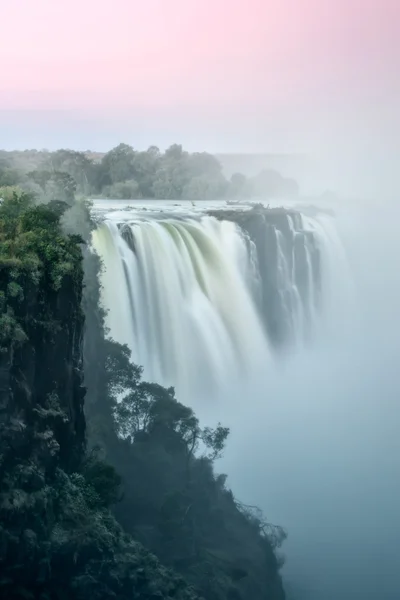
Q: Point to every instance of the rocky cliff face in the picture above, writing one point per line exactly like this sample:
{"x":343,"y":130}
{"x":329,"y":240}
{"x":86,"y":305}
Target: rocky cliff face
{"x":288,"y":259}
{"x":41,"y":393}
{"x":58,"y":539}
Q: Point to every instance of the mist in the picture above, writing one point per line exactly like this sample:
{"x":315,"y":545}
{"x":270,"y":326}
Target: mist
{"x":314,"y":438}
{"x":315,"y":442}
{"x":311,"y":90}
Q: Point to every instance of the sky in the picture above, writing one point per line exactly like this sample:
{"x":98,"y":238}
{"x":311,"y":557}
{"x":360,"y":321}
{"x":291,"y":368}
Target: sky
{"x":223,"y":75}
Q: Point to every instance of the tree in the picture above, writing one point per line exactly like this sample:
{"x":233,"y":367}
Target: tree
{"x":146,"y":165}
{"x":214,"y":440}
{"x":124,"y":190}
{"x":55,"y":184}
{"x":202,"y":163}
{"x":14,"y":202}
{"x":118,"y":164}
{"x":8,"y":175}
{"x":175,"y":153}
{"x":148,"y":409}
{"x":61,"y":186}
{"x":77,"y":165}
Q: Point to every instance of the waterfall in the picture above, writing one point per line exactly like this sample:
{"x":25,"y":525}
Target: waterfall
{"x":204,"y":300}
{"x":177,"y":294}
{"x":209,"y":297}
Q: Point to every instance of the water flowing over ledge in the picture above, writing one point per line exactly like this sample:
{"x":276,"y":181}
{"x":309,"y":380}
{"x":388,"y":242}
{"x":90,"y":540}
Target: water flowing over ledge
{"x":202,"y":297}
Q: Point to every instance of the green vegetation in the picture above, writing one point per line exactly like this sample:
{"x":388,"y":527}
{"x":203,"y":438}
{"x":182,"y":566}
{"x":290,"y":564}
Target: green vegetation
{"x":172,"y":501}
{"x":124,"y":173}
{"x":33,"y":251}
{"x":119,"y":501}
{"x":58,"y":539}
{"x":176,"y":506}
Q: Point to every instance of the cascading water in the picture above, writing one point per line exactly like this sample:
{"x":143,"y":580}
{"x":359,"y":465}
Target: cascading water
{"x":177,"y":293}
{"x":288,"y":257}
{"x":206,"y":302}
{"x":202,"y":300}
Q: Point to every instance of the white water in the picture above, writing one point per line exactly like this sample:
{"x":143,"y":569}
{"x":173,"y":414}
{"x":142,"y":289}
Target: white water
{"x":181,"y":301}
{"x":314,"y":436}
{"x":322,"y":436}
{"x":184,"y":294}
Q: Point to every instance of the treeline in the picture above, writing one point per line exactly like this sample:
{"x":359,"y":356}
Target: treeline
{"x":107,"y":483}
{"x":124,"y":173}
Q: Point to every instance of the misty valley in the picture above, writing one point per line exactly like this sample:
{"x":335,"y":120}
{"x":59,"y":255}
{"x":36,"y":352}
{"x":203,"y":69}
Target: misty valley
{"x":199,"y":393}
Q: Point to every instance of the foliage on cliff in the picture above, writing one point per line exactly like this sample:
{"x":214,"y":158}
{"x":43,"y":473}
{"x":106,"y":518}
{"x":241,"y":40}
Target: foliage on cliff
{"x":172,"y":500}
{"x":58,"y":539}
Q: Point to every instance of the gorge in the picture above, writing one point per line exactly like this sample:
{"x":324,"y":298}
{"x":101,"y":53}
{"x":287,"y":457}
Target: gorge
{"x":278,"y":323}
{"x":199,"y":296}
{"x":72,"y":404}
{"x":297,"y":375}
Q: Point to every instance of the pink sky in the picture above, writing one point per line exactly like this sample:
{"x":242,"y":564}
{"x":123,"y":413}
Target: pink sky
{"x":299,"y":64}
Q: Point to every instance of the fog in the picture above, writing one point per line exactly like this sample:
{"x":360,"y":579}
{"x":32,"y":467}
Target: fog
{"x":349,"y":144}
{"x":314,"y":439}
{"x":315,"y":442}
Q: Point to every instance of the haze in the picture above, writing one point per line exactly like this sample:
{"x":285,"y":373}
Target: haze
{"x":265,"y":76}
{"x":324,"y":453}
{"x":316,"y":447}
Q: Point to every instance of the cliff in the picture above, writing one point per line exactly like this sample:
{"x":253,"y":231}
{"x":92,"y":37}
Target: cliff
{"x":173,"y":502}
{"x":58,"y":539}
{"x":288,"y":257}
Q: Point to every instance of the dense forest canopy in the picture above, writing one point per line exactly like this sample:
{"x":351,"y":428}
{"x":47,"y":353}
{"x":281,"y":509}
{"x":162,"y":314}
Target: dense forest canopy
{"x":107,"y":483}
{"x":125,"y":173}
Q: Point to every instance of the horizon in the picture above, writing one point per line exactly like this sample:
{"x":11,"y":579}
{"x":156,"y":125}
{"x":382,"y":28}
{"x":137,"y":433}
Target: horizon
{"x":315,"y":78}
{"x":316,"y":175}
{"x":198,"y":245}
{"x":265,"y":77}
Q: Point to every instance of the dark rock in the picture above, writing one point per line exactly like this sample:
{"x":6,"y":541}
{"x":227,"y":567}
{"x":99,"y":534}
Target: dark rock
{"x":282,"y":247}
